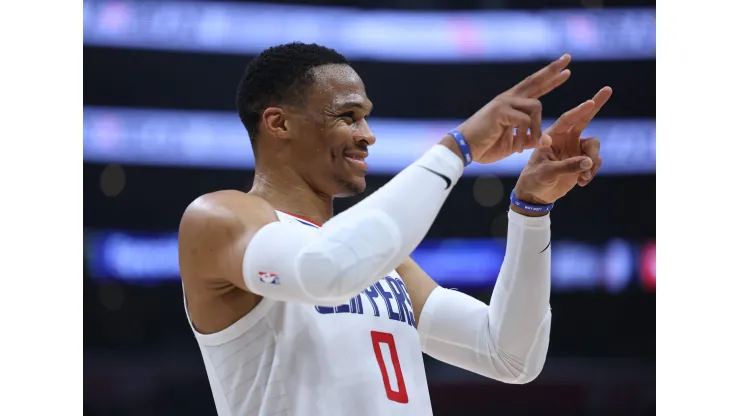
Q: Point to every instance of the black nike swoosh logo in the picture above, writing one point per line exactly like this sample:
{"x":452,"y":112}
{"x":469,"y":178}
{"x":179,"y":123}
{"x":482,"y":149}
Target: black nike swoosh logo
{"x":448,"y":180}
{"x":548,"y":246}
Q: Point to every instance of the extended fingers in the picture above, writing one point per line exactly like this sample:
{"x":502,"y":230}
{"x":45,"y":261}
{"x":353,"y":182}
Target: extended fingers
{"x":571,"y":117}
{"x":544,"y":80}
{"x":549,"y":85}
{"x":599,"y":100}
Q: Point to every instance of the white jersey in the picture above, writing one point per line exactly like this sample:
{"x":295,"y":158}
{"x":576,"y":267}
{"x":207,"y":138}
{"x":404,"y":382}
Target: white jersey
{"x":360,"y":358}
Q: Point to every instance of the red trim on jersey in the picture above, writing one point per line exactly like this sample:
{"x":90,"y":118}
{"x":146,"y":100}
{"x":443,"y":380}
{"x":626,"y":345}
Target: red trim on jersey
{"x":301,"y":218}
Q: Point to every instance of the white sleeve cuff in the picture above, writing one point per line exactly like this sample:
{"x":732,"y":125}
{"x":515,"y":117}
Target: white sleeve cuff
{"x":529,"y":222}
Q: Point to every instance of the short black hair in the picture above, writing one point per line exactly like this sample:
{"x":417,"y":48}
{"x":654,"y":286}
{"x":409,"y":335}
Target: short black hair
{"x":279,"y":75}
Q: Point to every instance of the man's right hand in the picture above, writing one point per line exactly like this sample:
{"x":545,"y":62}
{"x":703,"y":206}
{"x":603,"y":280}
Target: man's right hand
{"x":490,"y":131}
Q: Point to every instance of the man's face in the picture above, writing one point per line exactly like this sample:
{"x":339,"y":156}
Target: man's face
{"x":333,"y":134}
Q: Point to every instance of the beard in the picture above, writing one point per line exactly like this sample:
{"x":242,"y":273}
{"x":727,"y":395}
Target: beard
{"x":349,"y":188}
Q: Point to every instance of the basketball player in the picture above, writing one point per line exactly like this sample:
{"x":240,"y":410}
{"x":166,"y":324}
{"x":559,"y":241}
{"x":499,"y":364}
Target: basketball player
{"x":297,"y":311}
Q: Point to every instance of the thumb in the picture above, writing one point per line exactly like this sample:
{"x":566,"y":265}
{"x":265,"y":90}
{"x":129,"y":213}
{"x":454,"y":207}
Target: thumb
{"x":545,"y":140}
{"x":576,"y":164}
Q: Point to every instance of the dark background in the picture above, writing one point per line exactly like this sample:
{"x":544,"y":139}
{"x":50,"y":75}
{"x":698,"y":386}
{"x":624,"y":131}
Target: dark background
{"x":140,"y":355}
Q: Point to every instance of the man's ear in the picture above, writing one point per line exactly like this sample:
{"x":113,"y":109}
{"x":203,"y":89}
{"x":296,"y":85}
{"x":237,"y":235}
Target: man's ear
{"x":275,"y":122}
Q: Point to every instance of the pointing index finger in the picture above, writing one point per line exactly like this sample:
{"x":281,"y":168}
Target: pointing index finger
{"x":544,"y":80}
{"x":599,"y":99}
{"x":571,"y":117}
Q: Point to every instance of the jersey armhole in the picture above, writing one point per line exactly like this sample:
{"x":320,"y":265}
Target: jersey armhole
{"x":234,"y":330}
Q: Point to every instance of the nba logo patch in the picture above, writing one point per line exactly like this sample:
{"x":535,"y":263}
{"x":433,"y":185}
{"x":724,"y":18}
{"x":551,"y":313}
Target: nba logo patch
{"x":270,"y":278}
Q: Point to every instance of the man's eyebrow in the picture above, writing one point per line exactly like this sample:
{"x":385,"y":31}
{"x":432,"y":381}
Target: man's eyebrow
{"x":355,"y":104}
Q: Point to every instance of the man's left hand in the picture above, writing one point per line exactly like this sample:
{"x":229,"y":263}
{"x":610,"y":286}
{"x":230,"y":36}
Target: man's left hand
{"x":554,"y":170}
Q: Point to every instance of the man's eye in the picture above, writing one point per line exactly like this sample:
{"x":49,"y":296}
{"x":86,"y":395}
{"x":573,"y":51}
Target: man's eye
{"x":351,"y":115}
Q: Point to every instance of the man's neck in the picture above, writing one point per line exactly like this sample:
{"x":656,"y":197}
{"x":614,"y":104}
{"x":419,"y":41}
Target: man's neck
{"x":288,"y":192}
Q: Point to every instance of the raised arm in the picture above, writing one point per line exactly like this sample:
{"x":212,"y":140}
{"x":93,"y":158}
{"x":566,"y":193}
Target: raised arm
{"x":236,"y":238}
{"x":508,"y":339}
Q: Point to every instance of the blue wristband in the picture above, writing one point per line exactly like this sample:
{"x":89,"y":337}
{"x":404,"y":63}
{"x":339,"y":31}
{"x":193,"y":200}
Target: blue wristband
{"x":463,"y":144}
{"x":539,"y":209}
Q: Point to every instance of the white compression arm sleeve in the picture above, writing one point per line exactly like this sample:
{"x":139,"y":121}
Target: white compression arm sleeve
{"x":356,"y":248}
{"x":508,"y":339}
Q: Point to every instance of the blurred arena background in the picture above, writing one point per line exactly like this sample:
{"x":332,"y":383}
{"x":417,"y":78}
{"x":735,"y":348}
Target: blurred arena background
{"x":160,"y":128}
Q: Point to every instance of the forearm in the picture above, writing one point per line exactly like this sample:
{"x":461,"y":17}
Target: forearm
{"x":359,"y":246}
{"x":508,"y":339}
{"x":519,"y":312}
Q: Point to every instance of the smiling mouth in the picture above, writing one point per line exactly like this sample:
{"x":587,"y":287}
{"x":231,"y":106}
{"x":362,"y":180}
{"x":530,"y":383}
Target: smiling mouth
{"x":356,"y":160}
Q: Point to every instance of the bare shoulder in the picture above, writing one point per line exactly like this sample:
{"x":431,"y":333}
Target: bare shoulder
{"x":224,"y":211}
{"x":215,"y":230}
{"x":226,"y":202}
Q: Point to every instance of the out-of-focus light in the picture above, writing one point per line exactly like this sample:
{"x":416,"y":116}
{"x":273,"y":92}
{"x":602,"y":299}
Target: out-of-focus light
{"x":648,"y":267}
{"x":488,"y":190}
{"x":458,"y":263}
{"x":385,"y":35}
{"x":500,"y":225}
{"x":217,"y":139}
{"x":618,"y":265}
{"x":574,"y":266}
{"x":112,"y":180}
